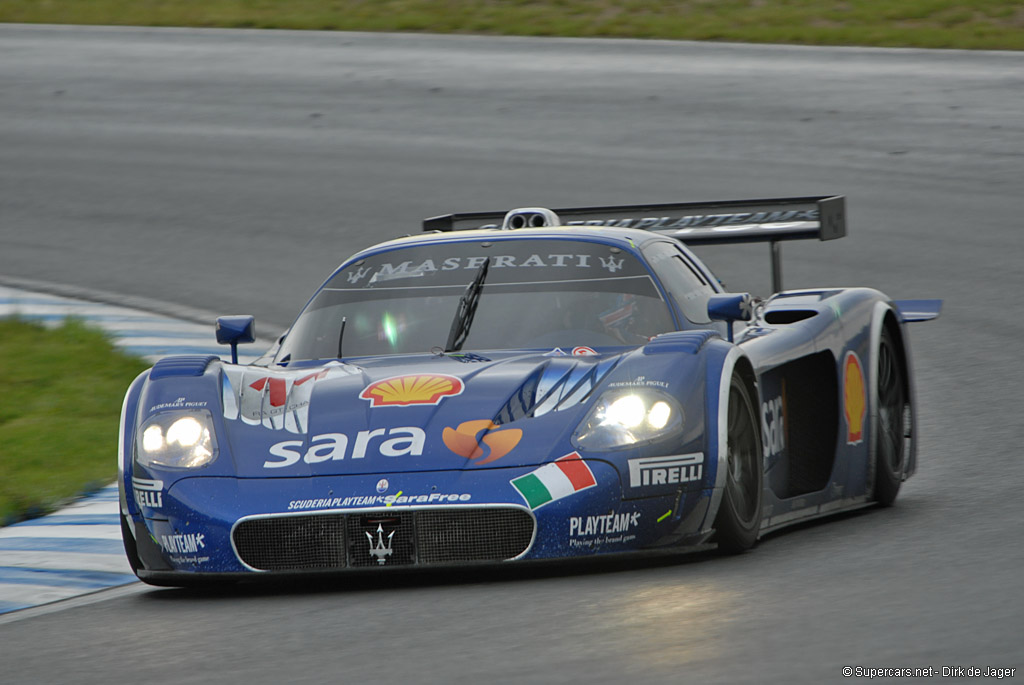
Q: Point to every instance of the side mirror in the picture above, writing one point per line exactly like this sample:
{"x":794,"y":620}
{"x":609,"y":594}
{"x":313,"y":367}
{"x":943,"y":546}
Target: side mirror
{"x":232,"y":330}
{"x":731,"y":307}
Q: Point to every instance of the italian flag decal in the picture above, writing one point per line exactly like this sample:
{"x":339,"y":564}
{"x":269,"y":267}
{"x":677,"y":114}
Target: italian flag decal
{"x":563,"y":477}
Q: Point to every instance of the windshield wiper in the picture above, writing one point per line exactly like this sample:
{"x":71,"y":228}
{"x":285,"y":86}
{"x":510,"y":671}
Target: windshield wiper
{"x":467,"y":309}
{"x":341,"y":335}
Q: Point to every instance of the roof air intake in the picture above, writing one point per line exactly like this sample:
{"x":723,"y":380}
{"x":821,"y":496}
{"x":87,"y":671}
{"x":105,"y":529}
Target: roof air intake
{"x":530,"y":217}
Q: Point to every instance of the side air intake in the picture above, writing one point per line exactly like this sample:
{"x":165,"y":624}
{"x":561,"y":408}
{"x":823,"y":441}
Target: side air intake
{"x":530,"y":217}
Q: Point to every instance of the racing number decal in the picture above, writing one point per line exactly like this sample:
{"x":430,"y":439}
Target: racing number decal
{"x":773,"y":426}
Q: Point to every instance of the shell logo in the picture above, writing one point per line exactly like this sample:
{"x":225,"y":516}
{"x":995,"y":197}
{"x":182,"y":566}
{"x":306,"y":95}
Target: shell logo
{"x":420,"y":388}
{"x":854,"y":398}
{"x":463,"y":440}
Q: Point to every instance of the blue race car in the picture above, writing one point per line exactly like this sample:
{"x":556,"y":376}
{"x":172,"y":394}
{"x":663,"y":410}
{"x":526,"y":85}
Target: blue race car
{"x":537,"y":384}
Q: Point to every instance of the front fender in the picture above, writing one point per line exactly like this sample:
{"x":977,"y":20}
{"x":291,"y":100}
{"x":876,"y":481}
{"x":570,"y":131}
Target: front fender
{"x":173,"y":383}
{"x":126,"y":443}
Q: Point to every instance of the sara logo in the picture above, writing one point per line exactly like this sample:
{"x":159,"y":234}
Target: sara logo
{"x":464,"y":442}
{"x":854,"y":401}
{"x":393,"y":442}
{"x":402,"y":391}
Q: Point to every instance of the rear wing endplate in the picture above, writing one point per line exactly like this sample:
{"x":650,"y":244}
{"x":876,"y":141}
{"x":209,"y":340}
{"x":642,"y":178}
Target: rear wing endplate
{"x":697,"y":223}
{"x":913,"y":311}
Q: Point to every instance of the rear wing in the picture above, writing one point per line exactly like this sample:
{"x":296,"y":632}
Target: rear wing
{"x":694,"y":223}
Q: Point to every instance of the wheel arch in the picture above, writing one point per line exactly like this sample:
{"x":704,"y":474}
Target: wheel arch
{"x":745,"y":369}
{"x":735,"y":361}
{"x":885,"y":317}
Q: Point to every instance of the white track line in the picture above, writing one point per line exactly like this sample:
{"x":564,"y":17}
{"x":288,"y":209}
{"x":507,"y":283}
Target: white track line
{"x":77,"y":551}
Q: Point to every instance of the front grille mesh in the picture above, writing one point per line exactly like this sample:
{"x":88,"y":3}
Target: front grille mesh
{"x":449,"y":535}
{"x":293,"y":542}
{"x":428,"y":536}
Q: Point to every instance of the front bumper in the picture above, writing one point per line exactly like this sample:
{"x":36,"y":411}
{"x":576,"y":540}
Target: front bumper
{"x":213,"y":527}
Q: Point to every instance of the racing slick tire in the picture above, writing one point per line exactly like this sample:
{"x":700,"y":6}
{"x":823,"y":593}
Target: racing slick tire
{"x":891,"y":434}
{"x":739,"y":515}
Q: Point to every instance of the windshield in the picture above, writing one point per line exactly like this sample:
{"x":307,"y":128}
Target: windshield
{"x":537,"y":294}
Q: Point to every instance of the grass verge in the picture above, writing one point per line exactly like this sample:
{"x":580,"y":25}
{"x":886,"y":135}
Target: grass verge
{"x":59,"y":410}
{"x":970,"y":24}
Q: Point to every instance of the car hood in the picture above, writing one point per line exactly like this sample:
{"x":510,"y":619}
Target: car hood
{"x":410,"y":413}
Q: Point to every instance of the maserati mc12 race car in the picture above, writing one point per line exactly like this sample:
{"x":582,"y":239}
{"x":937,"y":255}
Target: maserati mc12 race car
{"x":523,"y":385}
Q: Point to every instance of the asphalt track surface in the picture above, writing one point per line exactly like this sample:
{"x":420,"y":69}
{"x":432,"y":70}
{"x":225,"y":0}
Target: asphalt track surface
{"x":230,"y":171}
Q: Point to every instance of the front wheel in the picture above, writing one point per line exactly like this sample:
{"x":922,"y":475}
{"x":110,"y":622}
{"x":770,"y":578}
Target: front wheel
{"x":739,"y":515}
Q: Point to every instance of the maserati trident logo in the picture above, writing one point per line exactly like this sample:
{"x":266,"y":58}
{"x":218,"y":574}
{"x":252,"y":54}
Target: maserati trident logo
{"x":612,"y":264}
{"x":358,"y":274}
{"x":380,"y":550}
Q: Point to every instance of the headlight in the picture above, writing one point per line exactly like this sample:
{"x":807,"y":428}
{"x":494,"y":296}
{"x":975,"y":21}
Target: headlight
{"x":179,"y":439}
{"x":623,"y":418}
